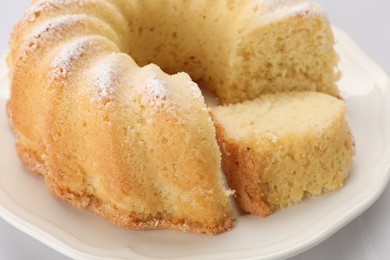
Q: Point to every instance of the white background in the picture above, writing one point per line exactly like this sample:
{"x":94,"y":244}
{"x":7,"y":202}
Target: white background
{"x":367,"y":237}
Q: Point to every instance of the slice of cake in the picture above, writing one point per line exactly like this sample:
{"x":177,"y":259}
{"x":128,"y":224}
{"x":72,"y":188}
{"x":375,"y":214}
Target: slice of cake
{"x":280,"y":148}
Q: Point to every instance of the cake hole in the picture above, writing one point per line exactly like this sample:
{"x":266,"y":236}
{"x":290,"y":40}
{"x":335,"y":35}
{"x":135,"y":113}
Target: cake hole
{"x":37,"y":14}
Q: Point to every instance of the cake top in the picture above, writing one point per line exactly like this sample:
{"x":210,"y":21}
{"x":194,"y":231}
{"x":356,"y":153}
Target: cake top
{"x":106,"y":76}
{"x":273,"y":116}
{"x":268,"y":11}
{"x":71,"y":52}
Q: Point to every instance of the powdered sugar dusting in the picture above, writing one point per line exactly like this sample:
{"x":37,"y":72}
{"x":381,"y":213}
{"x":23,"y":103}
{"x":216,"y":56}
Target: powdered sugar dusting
{"x":42,"y":6}
{"x":60,"y":67}
{"x":156,"y":97}
{"x":195,"y":90}
{"x":156,"y":89}
{"x":197,"y":96}
{"x":34,"y":12}
{"x":106,"y":77}
{"x":47,"y":31}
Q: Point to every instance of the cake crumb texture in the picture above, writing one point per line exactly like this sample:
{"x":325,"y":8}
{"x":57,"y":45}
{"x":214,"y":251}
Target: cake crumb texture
{"x":280,"y":148}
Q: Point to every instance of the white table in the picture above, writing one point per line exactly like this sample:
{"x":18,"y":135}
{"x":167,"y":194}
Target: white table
{"x":367,"y":237}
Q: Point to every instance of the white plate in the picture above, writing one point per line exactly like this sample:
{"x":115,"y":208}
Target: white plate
{"x":26,"y":203}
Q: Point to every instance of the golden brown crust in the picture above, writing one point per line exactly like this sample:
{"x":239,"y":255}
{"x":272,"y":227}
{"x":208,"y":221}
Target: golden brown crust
{"x":132,"y":220}
{"x":279,"y":167}
{"x":123,"y":218}
{"x":239,"y":167}
{"x":30,"y":159}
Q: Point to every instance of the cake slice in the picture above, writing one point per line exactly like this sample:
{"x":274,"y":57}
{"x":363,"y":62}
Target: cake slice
{"x":133,"y":144}
{"x":280,"y":148}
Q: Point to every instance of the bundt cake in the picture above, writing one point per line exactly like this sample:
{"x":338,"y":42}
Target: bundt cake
{"x":281,"y":148}
{"x":131,"y":143}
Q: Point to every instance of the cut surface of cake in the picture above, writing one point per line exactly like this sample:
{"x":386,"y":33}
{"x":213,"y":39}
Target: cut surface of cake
{"x":280,"y":148}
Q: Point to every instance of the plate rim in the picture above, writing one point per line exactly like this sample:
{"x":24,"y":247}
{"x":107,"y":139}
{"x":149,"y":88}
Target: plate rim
{"x":65,"y":248}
